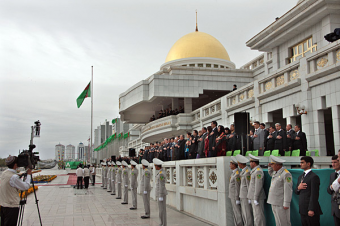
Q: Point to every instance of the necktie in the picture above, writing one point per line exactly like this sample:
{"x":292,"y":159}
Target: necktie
{"x":303,"y":177}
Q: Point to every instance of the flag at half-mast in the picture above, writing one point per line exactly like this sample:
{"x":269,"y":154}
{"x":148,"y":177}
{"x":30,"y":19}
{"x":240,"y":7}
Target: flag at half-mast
{"x":84,"y":94}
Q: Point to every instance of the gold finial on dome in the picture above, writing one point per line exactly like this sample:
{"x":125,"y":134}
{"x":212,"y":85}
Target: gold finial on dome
{"x":196,"y":21}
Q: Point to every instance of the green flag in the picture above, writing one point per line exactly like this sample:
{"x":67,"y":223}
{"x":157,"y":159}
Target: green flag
{"x":83,"y":95}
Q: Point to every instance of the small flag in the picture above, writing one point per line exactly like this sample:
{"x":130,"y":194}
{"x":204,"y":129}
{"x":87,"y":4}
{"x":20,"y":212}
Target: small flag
{"x":83,"y":95}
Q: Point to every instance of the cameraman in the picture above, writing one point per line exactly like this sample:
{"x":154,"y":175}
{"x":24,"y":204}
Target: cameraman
{"x":9,"y":194}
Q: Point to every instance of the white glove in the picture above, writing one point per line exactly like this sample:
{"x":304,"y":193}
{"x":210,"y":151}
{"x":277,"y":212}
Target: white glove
{"x":249,"y":201}
{"x":256,"y":203}
{"x":238,"y":202}
{"x":160,"y":199}
{"x":126,"y":186}
{"x":145,"y":192}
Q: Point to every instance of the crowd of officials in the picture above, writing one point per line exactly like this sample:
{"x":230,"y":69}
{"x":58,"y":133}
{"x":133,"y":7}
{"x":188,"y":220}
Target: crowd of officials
{"x":216,"y":140}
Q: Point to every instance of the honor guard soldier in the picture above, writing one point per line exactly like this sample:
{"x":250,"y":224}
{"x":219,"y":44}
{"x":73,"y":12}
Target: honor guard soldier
{"x":134,"y":184}
{"x":256,"y":192}
{"x":161,"y":191}
{"x":247,"y":215}
{"x":280,"y":191}
{"x":146,"y":188}
{"x":234,"y":192}
{"x":125,"y":182}
{"x":105,"y":175}
{"x":113,"y":178}
{"x":119,"y":180}
{"x":102,"y":164}
{"x":108,"y":177}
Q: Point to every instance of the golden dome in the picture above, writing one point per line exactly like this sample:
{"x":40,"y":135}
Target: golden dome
{"x":197,"y":44}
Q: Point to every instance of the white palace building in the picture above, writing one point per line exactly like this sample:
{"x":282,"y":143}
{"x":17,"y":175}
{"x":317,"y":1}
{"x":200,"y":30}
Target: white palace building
{"x":298,"y":67}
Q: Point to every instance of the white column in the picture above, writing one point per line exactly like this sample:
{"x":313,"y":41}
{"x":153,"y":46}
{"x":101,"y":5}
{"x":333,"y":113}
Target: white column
{"x":336,"y":127}
{"x":187,"y":105}
{"x":175,"y":103}
{"x":179,"y":182}
{"x":319,"y":132}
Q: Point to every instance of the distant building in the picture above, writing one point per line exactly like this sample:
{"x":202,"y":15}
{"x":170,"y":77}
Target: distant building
{"x":70,"y":152}
{"x":80,"y":151}
{"x":59,"y":152}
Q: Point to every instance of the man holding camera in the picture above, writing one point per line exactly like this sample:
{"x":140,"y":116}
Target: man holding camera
{"x":9,"y":192}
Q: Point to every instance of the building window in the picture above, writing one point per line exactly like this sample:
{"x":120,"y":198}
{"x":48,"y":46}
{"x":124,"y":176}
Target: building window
{"x":222,"y":66}
{"x":200,"y":65}
{"x":215,"y":65}
{"x":208,"y":65}
{"x":184,"y":65}
{"x":192,"y":65}
{"x":301,"y":49}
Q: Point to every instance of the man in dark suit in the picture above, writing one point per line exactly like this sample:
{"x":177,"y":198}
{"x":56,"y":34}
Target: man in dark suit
{"x":308,"y":191}
{"x":280,"y":138}
{"x":258,"y":138}
{"x":335,"y":207}
{"x":212,"y":139}
{"x":270,"y":145}
{"x":266,"y":134}
{"x":180,"y":148}
{"x":300,"y":140}
{"x":290,"y":137}
{"x":201,"y":142}
{"x":194,"y":145}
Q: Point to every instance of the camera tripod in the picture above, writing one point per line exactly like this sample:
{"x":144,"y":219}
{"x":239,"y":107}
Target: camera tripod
{"x":23,"y":201}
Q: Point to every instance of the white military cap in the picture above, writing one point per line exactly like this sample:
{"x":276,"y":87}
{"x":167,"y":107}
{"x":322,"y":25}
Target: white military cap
{"x":275,"y":159}
{"x":157,"y":161}
{"x":124,"y":163}
{"x":233,"y":160}
{"x":253,"y":158}
{"x":133,"y":163}
{"x":104,"y":163}
{"x":241,"y":159}
{"x":145,"y":162}
{"x":118,"y":163}
{"x":113,"y":163}
{"x":109,"y":163}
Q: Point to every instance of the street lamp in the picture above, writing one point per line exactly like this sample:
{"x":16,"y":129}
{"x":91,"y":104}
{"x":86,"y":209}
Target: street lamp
{"x":300,"y":110}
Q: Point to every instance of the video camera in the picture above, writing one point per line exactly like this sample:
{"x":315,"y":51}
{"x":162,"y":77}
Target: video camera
{"x":28,"y":158}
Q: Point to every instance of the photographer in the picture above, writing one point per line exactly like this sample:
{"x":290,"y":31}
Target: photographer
{"x":9,"y":189}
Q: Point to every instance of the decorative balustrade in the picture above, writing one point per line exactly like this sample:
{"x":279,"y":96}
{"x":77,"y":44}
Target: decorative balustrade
{"x":254,"y":64}
{"x":212,"y":109}
{"x":240,"y":97}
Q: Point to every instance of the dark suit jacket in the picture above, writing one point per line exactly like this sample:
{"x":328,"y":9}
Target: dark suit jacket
{"x":212,"y":139}
{"x":194,"y":146}
{"x":200,"y":148}
{"x":290,"y":140}
{"x":300,"y":144}
{"x":270,"y":142}
{"x":309,"y":197}
{"x":335,"y":206}
{"x":181,"y":149}
{"x":280,"y":144}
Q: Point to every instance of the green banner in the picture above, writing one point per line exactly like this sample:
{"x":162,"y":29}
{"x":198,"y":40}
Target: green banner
{"x":324,"y":198}
{"x":72,"y":165}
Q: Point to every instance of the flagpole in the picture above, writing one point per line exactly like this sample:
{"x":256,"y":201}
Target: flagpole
{"x":91,"y":113}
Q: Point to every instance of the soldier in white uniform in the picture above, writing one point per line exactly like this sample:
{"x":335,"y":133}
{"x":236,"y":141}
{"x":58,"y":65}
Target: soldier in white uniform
{"x":280,"y":191}
{"x":113,"y":178}
{"x":134,"y":184}
{"x":105,"y":175}
{"x":108,"y":177}
{"x":256,"y":192}
{"x":247,"y":214}
{"x":234,"y":191}
{"x":125,"y":182}
{"x":119,"y":180}
{"x":146,"y":188}
{"x":161,"y":191}
{"x":102,"y":164}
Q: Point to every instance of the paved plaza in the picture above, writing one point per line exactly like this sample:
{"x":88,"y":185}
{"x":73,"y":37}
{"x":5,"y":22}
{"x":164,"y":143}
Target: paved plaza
{"x":60,"y":204}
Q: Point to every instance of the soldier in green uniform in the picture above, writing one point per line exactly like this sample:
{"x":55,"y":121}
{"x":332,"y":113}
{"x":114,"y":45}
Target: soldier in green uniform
{"x":119,"y":180}
{"x":134,"y":184}
{"x":234,"y":192}
{"x":247,"y":214}
{"x":280,"y":191}
{"x":256,"y":192}
{"x":161,"y":191}
{"x":125,"y":182}
{"x":146,"y":188}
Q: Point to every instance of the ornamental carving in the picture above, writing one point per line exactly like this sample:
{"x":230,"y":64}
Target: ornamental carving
{"x":280,"y":80}
{"x":168,"y":175}
{"x":218,"y":107}
{"x":212,"y":109}
{"x":241,"y":97}
{"x":322,"y":62}
{"x":268,"y":85}
{"x":338,"y":55}
{"x":294,"y":75}
{"x":200,"y":177}
{"x":250,"y":93}
{"x":174,"y":175}
{"x":213,"y":177}
{"x":261,"y":61}
{"x":233,"y":101}
{"x":206,"y":111}
{"x":189,"y":176}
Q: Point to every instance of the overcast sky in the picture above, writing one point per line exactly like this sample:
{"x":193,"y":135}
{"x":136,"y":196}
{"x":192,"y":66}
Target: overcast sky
{"x":47,"y":49}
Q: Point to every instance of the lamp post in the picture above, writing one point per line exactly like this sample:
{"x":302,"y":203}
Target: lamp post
{"x":300,"y":110}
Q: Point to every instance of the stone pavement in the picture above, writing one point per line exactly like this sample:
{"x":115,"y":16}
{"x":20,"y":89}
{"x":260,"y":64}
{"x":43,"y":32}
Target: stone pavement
{"x":60,"y":204}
